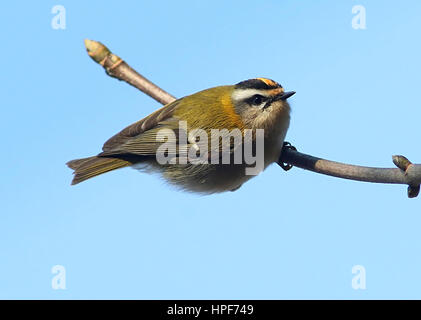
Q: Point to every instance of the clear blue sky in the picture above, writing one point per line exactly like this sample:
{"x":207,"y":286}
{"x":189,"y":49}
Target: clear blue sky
{"x":282,"y":235}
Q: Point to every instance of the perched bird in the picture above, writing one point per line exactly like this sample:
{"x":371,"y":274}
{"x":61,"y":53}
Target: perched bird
{"x":250,"y":105}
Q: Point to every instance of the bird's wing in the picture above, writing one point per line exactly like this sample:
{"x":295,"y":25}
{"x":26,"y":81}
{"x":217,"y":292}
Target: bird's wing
{"x":140,"y":127}
{"x":140,"y":138}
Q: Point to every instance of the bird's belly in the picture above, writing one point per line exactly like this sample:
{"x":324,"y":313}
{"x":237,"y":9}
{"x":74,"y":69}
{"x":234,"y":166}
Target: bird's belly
{"x":214,"y":178}
{"x":207,"y":178}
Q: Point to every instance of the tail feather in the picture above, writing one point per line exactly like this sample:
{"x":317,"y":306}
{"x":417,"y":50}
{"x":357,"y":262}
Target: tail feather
{"x":91,"y":167}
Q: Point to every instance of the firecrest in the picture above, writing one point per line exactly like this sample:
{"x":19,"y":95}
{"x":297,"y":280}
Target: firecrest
{"x":252,"y":115}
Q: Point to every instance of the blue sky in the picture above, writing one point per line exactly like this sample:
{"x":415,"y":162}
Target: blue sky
{"x":128,"y":235}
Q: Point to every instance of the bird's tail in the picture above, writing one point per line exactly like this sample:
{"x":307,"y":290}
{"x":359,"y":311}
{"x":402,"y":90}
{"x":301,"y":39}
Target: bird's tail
{"x":93,"y":166}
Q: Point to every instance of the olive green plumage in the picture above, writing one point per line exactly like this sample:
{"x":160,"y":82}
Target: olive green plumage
{"x":224,"y":107}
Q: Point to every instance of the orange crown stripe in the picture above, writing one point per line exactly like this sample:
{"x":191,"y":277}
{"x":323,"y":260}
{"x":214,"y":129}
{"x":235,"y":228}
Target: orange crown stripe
{"x":269,"y":82}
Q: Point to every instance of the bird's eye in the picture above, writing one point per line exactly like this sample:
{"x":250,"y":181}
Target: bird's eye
{"x":257,"y":100}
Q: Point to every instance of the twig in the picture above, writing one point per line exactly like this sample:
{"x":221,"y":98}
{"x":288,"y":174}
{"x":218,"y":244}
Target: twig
{"x":406,"y":173}
{"x":410,"y":175}
{"x":115,"y":67}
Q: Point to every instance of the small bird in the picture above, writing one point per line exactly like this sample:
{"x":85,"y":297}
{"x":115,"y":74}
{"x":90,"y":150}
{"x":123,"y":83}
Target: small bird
{"x":250,"y":105}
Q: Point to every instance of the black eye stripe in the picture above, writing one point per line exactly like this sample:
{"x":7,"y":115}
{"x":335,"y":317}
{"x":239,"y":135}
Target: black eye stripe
{"x":256,"y":100}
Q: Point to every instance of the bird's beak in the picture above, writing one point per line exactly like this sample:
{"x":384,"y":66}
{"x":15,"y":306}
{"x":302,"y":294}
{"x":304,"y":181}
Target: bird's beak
{"x":286,"y":95}
{"x":282,"y":97}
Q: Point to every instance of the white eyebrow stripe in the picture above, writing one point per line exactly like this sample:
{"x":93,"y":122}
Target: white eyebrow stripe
{"x":242,"y":94}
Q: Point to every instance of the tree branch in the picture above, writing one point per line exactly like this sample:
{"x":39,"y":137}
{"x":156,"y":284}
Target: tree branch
{"x":405,"y":173}
{"x":115,"y":67}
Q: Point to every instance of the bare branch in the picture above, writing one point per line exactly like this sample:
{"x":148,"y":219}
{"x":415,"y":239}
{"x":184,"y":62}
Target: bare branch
{"x":410,"y":175}
{"x":406,"y":173}
{"x":115,"y":67}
